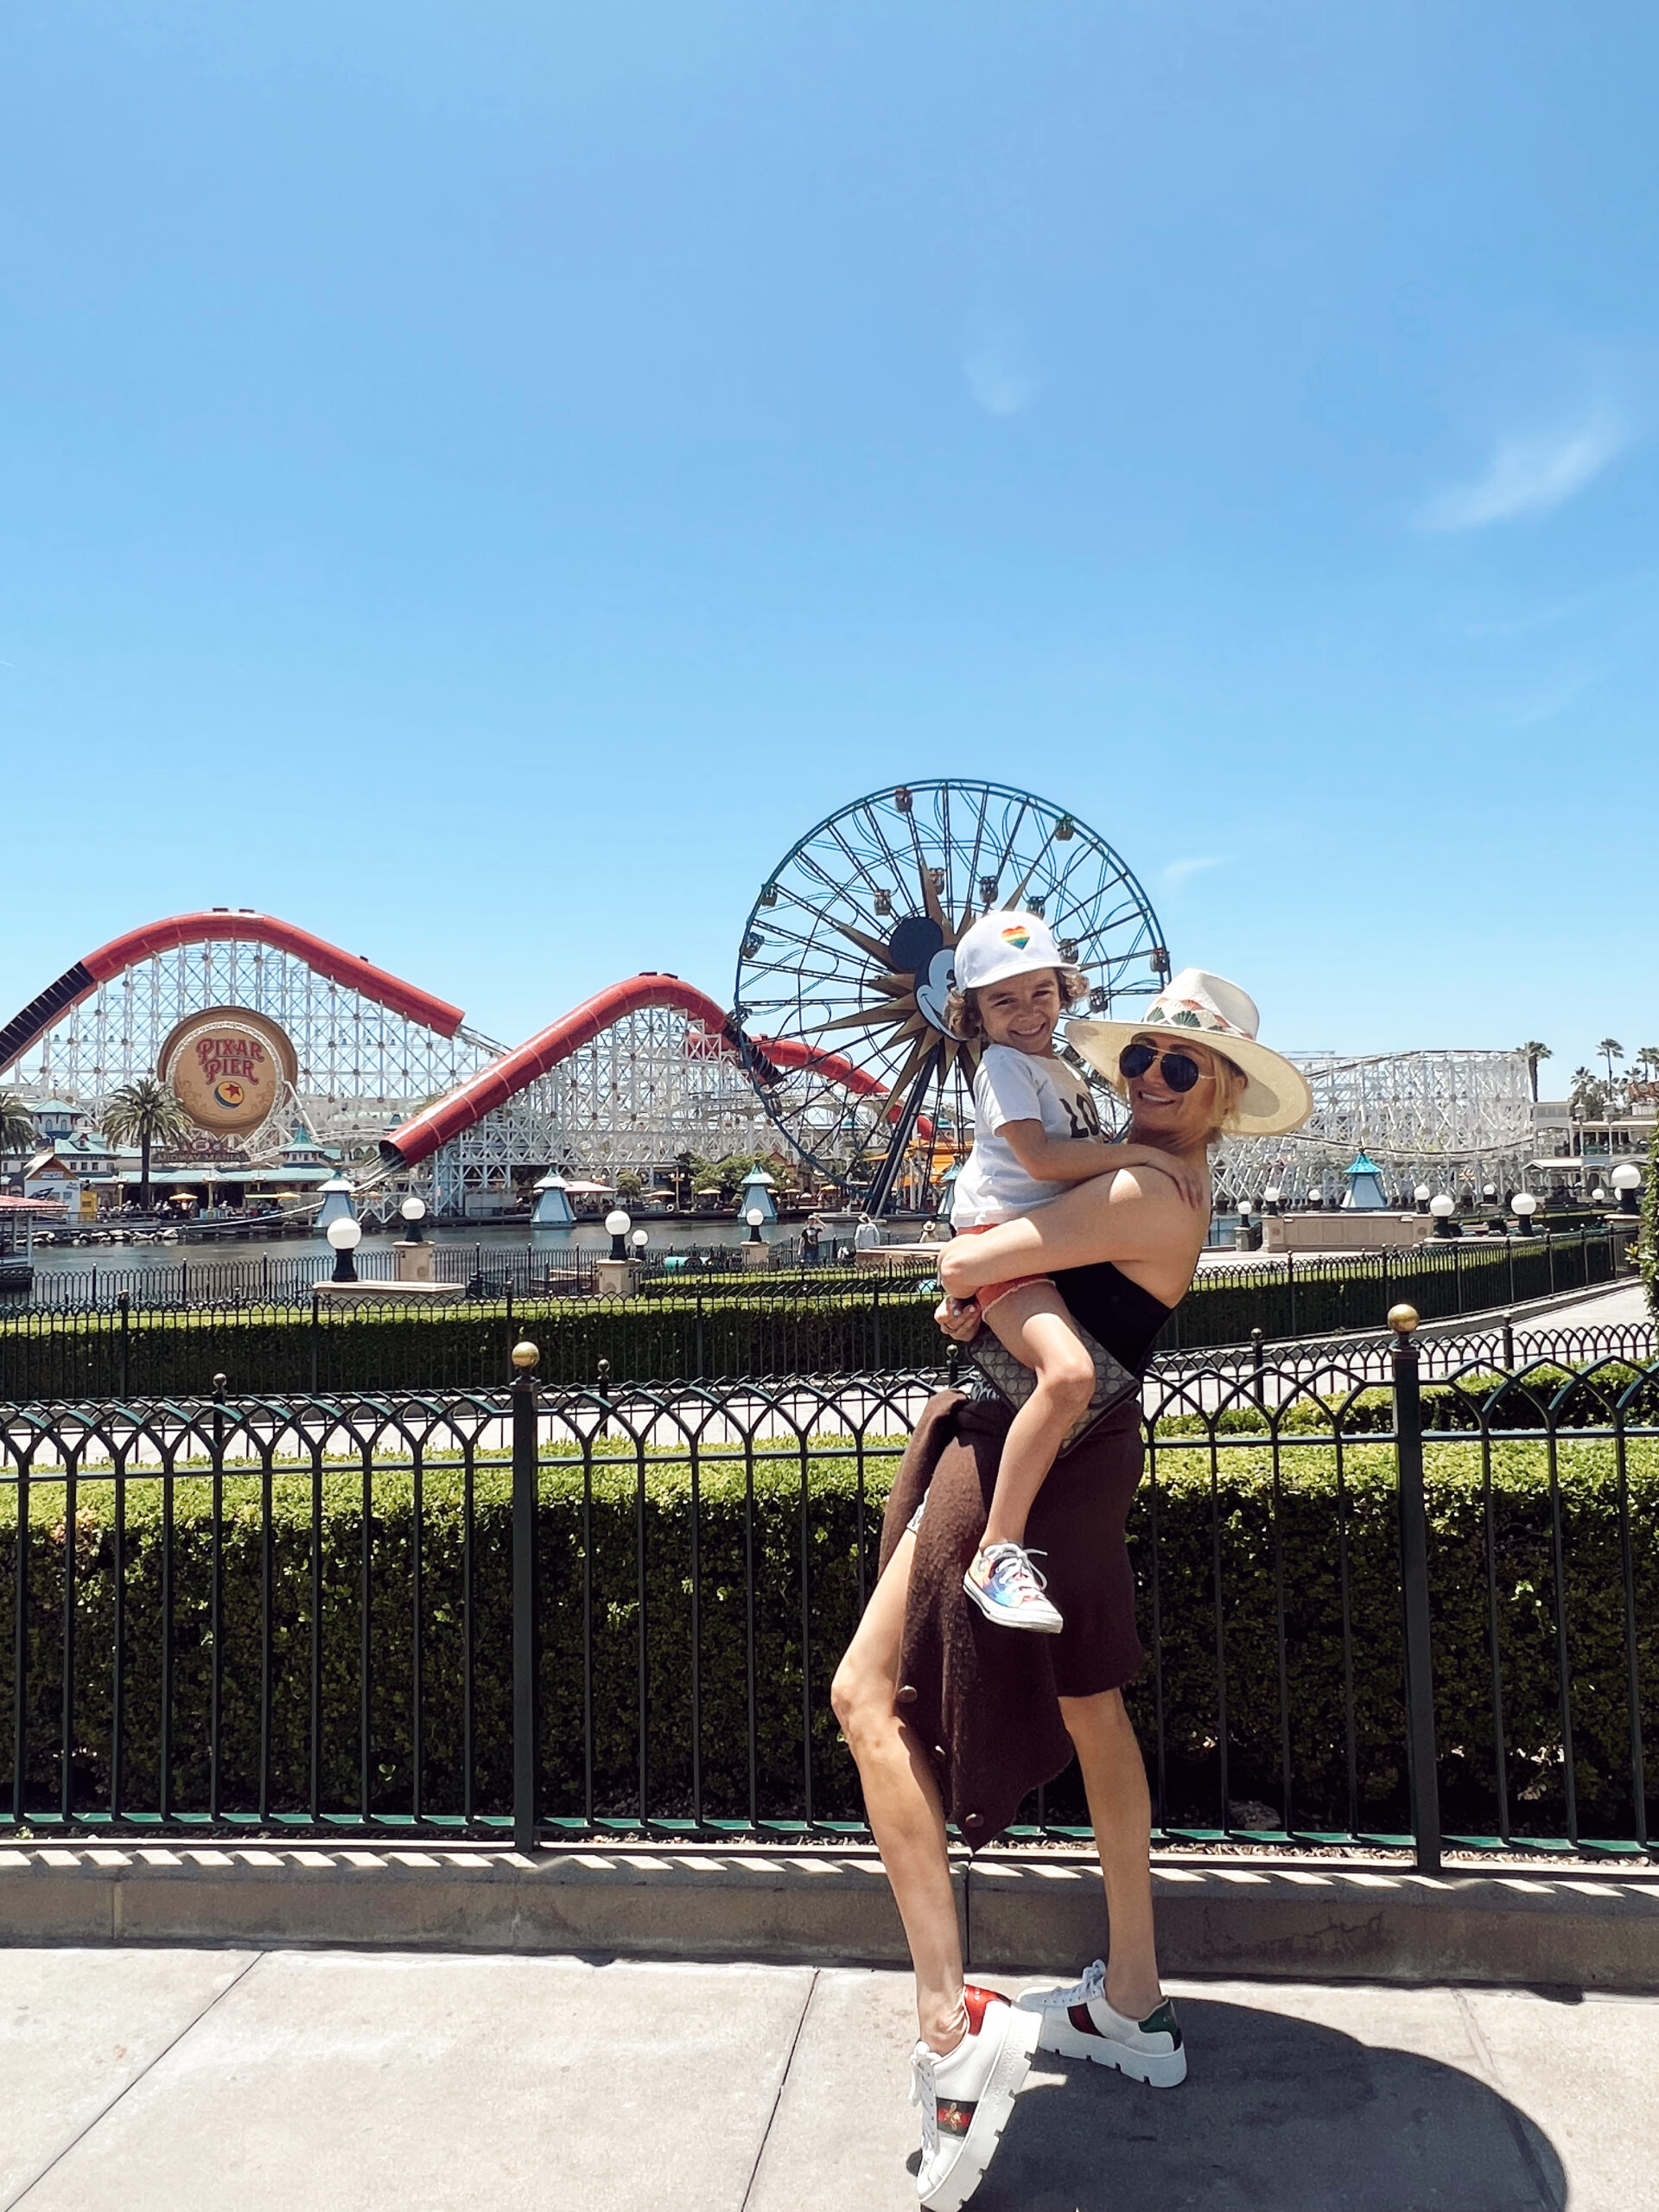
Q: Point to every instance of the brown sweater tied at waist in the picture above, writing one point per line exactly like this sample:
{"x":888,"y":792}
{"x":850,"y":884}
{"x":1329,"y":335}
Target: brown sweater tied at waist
{"x":984,"y":1699}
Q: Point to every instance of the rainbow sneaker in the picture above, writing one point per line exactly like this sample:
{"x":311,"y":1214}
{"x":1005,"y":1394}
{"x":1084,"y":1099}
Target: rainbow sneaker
{"x":1008,"y":1589}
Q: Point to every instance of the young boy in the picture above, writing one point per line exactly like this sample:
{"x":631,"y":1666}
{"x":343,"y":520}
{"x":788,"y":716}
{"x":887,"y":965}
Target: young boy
{"x":1036,"y":1132}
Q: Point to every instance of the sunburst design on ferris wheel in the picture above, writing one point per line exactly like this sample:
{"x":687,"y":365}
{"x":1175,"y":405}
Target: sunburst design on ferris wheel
{"x":848,"y":958}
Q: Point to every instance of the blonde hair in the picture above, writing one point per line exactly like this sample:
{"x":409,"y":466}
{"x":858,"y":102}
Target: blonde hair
{"x":963,"y":1018}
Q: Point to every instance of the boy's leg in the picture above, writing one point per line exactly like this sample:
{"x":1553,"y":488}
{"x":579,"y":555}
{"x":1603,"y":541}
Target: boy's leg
{"x":1033,"y":1325}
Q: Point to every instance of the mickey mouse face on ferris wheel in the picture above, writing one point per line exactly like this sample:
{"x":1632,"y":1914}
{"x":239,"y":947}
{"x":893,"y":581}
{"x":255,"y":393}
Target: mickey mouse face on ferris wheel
{"x":917,"y":948}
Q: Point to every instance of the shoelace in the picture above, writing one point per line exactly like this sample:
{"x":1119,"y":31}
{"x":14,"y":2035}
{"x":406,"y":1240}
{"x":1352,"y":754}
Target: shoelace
{"x":1012,"y":1563}
{"x":1093,"y":1984}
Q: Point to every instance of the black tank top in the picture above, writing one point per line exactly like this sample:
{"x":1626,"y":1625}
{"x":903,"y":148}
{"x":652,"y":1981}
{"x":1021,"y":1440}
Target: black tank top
{"x":1116,"y":1311}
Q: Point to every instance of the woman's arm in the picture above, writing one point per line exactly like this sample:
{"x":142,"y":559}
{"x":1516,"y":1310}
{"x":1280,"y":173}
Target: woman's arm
{"x":1137,"y":1220}
{"x":1079,"y":1159}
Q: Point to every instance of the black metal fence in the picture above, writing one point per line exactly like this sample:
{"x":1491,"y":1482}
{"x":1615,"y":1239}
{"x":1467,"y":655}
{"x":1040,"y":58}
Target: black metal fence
{"x":1391,"y":1594}
{"x":180,"y":1283}
{"x":694,"y":1326}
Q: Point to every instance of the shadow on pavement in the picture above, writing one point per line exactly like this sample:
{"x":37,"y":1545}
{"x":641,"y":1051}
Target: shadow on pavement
{"x":1278,"y":2113}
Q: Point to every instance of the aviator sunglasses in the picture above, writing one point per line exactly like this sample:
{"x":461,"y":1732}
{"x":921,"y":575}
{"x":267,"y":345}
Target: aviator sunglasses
{"x":1180,"y":1071}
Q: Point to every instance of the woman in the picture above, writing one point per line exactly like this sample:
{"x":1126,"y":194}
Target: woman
{"x":934,"y":1733}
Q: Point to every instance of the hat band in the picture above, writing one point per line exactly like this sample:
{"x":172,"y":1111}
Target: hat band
{"x":1196,"y":1018}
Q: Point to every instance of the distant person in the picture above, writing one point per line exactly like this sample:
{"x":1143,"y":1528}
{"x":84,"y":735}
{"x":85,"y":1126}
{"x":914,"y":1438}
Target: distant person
{"x":811,"y":1236}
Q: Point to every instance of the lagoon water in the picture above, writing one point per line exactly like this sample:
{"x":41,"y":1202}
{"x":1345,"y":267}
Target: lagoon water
{"x":374,"y":1254}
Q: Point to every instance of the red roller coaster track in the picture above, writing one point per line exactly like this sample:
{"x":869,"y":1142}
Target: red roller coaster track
{"x":468,"y":1105}
{"x":464,"y":1107}
{"x":356,"y":974}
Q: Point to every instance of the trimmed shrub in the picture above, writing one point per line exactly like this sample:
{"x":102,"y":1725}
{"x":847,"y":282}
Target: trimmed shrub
{"x":1279,"y":1519}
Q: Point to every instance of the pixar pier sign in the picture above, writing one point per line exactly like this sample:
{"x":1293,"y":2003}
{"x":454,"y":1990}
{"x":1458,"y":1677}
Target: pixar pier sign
{"x":228,"y":1068}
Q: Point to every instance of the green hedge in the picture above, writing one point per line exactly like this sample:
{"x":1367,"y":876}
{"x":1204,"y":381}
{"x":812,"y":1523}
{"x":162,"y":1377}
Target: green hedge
{"x":271,"y":1352}
{"x":826,"y":1327}
{"x":1192,"y":1515}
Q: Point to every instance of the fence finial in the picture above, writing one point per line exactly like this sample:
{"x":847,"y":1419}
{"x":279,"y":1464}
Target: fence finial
{"x":1403,"y":1319}
{"x":525,"y":1355}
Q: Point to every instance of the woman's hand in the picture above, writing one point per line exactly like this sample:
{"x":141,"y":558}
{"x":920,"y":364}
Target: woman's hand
{"x":958,"y":1318}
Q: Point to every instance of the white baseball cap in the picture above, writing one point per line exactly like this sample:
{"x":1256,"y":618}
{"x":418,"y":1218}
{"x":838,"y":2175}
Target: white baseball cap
{"x":1003,"y":944}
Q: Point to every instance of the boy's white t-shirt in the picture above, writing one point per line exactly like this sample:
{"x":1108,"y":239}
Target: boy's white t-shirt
{"x":1014,"y":1086}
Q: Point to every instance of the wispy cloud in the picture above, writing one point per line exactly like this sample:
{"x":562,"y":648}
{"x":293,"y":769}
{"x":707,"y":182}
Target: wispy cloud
{"x":1529,"y":476}
{"x":1179,"y":872}
{"x":1001,"y":374}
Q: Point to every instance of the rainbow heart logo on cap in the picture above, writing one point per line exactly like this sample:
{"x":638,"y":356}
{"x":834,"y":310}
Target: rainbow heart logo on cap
{"x":1019,"y":937}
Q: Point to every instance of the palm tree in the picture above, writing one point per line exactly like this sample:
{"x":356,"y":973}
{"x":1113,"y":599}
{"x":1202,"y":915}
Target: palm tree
{"x":1534,"y":1052}
{"x":1589,"y":1097}
{"x":150,"y":1111}
{"x":17,"y":1126}
{"x":1611,"y":1050}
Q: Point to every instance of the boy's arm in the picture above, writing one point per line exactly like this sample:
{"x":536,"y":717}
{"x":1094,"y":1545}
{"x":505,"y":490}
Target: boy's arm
{"x":1079,"y":1159}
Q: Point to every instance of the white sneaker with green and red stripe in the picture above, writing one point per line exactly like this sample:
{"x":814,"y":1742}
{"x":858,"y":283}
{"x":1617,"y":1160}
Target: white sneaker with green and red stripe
{"x":1075,"y":2021}
{"x":966,"y":2095}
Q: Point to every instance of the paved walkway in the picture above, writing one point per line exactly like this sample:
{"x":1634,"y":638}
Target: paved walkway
{"x":178,"y":2081}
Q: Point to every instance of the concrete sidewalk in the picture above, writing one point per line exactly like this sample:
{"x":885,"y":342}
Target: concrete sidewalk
{"x":177,"y":2081}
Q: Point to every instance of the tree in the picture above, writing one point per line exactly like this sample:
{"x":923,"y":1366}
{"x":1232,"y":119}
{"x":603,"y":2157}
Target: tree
{"x":1589,"y":1099}
{"x":629,"y":1184}
{"x":1534,"y":1052}
{"x":1611,"y":1050}
{"x":16,"y":1125}
{"x":150,"y":1112}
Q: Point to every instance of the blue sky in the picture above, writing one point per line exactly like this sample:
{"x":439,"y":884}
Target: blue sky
{"x":481,"y":481}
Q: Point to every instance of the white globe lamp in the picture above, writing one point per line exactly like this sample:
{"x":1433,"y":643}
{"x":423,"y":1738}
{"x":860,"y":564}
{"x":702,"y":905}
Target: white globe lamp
{"x":344,"y":1234}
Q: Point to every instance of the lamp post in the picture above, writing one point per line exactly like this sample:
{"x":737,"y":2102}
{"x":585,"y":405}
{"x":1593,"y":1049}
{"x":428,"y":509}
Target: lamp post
{"x":1600,"y":1196}
{"x":755,"y":1252}
{"x":1422,"y":1194}
{"x":344,"y":1234}
{"x":640,"y":1239}
{"x":1627,"y":1181}
{"x":1272,"y":1198}
{"x":1442,"y":1208}
{"x":1243,"y":1235}
{"x":618,"y":1276}
{"x":1523,"y":1205}
{"x":412,"y":1257}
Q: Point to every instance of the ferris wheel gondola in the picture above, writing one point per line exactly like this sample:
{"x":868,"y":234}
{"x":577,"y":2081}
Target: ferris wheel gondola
{"x":847,"y":959}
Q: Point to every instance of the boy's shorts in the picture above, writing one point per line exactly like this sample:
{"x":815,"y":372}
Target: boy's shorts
{"x":988,"y":1292}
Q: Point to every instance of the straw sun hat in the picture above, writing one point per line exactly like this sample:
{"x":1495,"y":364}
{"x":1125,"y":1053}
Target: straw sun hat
{"x":1210,"y":1011}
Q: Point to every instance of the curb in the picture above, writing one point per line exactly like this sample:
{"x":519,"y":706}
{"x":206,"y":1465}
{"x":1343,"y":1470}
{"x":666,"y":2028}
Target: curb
{"x":1030,"y":1912}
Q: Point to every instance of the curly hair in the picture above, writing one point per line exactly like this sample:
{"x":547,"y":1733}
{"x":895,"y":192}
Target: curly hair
{"x":963,"y":1018}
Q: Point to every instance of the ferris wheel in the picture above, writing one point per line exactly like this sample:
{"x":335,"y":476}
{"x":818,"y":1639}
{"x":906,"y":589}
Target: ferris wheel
{"x":847,"y":955}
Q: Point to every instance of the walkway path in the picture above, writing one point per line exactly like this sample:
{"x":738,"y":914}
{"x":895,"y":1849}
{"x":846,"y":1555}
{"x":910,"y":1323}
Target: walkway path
{"x":178,"y":2081}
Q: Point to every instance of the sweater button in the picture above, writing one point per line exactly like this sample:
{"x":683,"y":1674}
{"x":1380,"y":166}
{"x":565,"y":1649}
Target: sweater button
{"x":973,"y":1820}
{"x":905,"y":1694}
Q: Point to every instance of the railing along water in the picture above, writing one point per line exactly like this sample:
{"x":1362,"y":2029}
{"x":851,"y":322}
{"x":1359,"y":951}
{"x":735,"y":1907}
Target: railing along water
{"x":1393,"y":1591}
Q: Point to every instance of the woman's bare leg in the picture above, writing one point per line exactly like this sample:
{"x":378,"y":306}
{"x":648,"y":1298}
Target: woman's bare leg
{"x":1120,"y":1806}
{"x":1033,"y":1325}
{"x":901,"y":1801}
